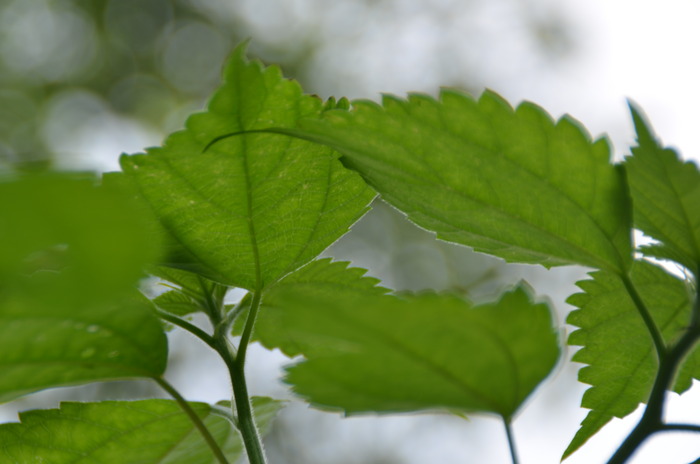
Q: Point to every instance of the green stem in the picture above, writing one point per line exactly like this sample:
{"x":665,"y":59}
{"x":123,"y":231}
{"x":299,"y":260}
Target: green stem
{"x":236,"y":366}
{"x":196,"y":420}
{"x":191,"y":328}
{"x":511,"y":440}
{"x":652,"y":419}
{"x":653,"y":329}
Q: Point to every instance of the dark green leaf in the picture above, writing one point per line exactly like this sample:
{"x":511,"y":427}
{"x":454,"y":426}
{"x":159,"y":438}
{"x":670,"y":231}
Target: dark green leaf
{"x":510,"y":183}
{"x":255,"y":207}
{"x":617,"y":348}
{"x":666,"y":197}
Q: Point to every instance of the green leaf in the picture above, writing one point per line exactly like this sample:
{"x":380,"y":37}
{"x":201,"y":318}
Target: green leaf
{"x":177,"y":303}
{"x":319,"y":280}
{"x":72,"y":254}
{"x":617,"y":348}
{"x":381,"y":353}
{"x":666,"y":195}
{"x":65,"y":222}
{"x":47,"y":343}
{"x":144,"y":432}
{"x":509,"y":183}
{"x":253,"y":208}
{"x":195,"y":293}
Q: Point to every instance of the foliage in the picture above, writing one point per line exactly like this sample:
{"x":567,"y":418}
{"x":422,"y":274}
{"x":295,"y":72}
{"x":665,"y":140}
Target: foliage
{"x":254,"y":189}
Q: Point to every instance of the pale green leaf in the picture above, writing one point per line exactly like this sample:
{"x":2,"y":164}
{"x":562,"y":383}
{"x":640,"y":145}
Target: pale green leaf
{"x":134,"y":432}
{"x":511,"y":183}
{"x":370,"y":352}
{"x":617,"y":348}
{"x":252,"y":208}
{"x":666,"y":197}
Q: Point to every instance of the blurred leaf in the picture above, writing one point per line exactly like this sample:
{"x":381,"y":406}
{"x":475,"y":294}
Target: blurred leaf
{"x":619,"y":353}
{"x":94,"y":235}
{"x":380,"y":353}
{"x":145,"y":432}
{"x":252,"y":208}
{"x":509,"y":183}
{"x":69,"y":313}
{"x":666,"y":194}
{"x":48,"y":342}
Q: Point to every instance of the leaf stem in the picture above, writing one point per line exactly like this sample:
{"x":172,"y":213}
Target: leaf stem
{"x":196,"y":420}
{"x":246,"y":421}
{"x":511,"y":440}
{"x":191,"y":328}
{"x":653,"y":329}
{"x":236,"y":366}
{"x":652,"y":419}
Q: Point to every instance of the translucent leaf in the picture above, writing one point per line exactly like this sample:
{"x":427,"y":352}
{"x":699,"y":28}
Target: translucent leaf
{"x":251,"y":208}
{"x":381,"y":353}
{"x":144,"y":432}
{"x":617,"y":348}
{"x":320,"y":279}
{"x":666,"y":195}
{"x":509,"y":183}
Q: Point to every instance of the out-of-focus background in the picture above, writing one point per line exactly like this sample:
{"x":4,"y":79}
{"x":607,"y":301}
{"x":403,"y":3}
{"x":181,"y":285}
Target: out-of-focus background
{"x":82,"y":81}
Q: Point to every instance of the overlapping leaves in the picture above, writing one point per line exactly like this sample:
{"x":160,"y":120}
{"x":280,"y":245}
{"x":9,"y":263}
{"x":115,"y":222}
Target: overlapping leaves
{"x":255,"y":207}
{"x":147,"y":432}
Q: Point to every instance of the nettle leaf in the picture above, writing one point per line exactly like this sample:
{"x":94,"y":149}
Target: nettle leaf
{"x":323,"y":280}
{"x":666,"y":195}
{"x":254,"y":207}
{"x":379,"y":353}
{"x":144,"y":432}
{"x":617,"y":348}
{"x":511,"y":183}
{"x":47,"y":342}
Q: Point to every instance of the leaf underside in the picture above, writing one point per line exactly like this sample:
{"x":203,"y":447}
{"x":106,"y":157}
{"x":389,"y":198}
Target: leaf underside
{"x":252,"y":208}
{"x":617,"y":349}
{"x":371,"y":352}
{"x":511,"y":183}
{"x":138,"y":432}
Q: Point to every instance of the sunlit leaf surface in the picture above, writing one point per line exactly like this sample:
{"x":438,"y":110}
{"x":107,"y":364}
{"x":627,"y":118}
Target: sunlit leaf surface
{"x":253,"y":207}
{"x":511,"y":183}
